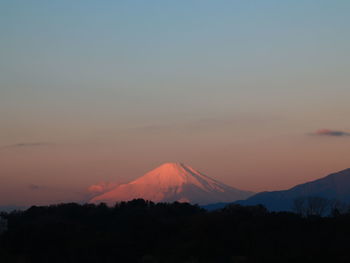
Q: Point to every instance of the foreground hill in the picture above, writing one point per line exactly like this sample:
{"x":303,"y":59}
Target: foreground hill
{"x":335,"y":186}
{"x":174,"y":182}
{"x":144,"y":232}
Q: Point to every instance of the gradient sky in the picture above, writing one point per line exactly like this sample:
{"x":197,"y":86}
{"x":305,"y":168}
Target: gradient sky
{"x":95,"y":91}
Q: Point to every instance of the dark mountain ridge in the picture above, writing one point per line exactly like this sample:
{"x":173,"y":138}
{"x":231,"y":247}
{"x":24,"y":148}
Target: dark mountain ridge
{"x":335,"y":187}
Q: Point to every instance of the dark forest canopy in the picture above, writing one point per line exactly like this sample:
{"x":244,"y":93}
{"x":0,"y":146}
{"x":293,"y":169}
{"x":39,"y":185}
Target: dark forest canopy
{"x":142,"y":231}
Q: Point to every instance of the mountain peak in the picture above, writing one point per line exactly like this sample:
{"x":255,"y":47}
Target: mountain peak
{"x":173,"y":181}
{"x":175,"y":168}
{"x":171,"y":165}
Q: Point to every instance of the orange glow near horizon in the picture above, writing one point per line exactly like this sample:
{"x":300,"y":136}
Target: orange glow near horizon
{"x":252,"y":93}
{"x":64,"y":173}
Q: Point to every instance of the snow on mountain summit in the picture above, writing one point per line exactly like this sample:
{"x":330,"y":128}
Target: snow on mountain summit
{"x":174,"y":182}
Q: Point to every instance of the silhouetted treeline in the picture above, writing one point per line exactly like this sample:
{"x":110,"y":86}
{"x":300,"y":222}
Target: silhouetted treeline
{"x":141,"y":231}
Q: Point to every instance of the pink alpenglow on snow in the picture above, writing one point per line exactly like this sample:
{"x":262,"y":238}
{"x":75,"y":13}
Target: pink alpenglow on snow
{"x":174,"y":182}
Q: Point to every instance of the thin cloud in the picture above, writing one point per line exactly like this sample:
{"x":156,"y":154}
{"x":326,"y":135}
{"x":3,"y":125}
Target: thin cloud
{"x":26,"y":144}
{"x":205,"y":124}
{"x":194,"y":125}
{"x":46,"y":188}
{"x":102,"y":187}
{"x":36,"y":187}
{"x":331,"y":133}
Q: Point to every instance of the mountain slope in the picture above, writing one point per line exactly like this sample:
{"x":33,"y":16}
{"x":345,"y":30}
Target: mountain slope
{"x":335,"y":186}
{"x":174,"y":182}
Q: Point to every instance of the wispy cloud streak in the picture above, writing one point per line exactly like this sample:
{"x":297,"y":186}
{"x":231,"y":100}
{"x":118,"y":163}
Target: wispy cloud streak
{"x":26,"y":145}
{"x":330,"y":133}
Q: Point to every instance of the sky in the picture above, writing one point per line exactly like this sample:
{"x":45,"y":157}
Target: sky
{"x":252,"y":93}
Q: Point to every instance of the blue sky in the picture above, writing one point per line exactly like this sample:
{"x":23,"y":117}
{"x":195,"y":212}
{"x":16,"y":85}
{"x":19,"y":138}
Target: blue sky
{"x":204,"y":82}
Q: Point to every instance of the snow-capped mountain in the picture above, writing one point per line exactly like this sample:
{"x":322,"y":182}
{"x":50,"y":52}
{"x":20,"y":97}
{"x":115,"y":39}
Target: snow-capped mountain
{"x":173,"y":182}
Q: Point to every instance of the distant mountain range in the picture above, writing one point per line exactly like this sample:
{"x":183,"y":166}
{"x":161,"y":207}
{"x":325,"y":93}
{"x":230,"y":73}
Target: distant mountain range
{"x":10,"y":208}
{"x":179,"y":182}
{"x":335,"y":186}
{"x":174,"y":182}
